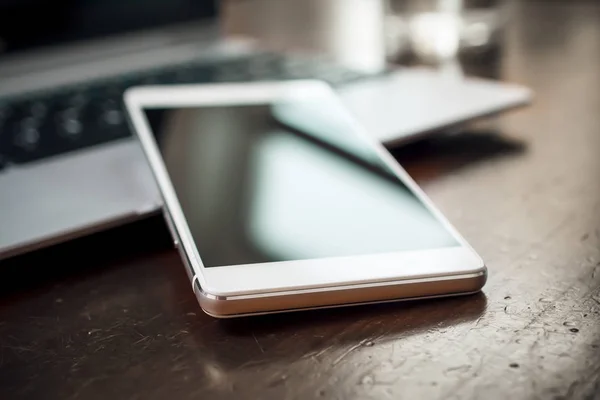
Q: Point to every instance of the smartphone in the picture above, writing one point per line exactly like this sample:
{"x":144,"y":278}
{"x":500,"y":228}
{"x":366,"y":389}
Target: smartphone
{"x":278,"y":200}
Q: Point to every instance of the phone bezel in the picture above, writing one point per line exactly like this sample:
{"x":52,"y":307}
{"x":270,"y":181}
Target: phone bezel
{"x":318,"y":274}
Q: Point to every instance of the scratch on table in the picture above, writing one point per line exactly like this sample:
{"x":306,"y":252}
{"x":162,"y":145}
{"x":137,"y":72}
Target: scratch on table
{"x":542,"y":312}
{"x":571,"y":390}
{"x":19,"y":349}
{"x":596,"y":270}
{"x":258,"y":344}
{"x":251,"y":363}
{"x":315,"y":354}
{"x":107,"y":337}
{"x":101,"y":347}
{"x":181,"y":332}
{"x":153,"y":318}
{"x":348,"y":351}
{"x":138,"y":333}
{"x":459,"y":368}
{"x":476,"y":324}
{"x":143,"y":339}
{"x":323,"y":351}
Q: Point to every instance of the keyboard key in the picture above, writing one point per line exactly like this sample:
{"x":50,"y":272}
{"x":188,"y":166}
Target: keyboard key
{"x":111,"y":113}
{"x":78,"y":100}
{"x":38,"y":109}
{"x":113,"y":117}
{"x":28,"y":135}
{"x":68,"y":124}
{"x":71,"y":128}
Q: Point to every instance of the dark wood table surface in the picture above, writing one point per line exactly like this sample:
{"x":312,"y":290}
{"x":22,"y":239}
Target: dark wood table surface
{"x":112,"y":316}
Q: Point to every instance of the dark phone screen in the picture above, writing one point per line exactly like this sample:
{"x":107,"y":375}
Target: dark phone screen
{"x":286,"y":181}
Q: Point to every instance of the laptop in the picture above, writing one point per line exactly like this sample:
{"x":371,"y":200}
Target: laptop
{"x":69,"y":165}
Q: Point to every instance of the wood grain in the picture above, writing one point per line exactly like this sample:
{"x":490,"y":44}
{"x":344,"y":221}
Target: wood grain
{"x":98,"y":318}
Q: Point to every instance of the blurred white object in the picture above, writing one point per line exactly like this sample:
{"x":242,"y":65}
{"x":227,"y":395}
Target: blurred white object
{"x":351,"y":32}
{"x":437,"y":30}
{"x":435,"y":36}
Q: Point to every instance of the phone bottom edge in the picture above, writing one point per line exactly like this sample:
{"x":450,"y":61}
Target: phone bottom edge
{"x":396,"y":292}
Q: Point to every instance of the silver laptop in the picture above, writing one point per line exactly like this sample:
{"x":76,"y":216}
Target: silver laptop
{"x":68,"y":163}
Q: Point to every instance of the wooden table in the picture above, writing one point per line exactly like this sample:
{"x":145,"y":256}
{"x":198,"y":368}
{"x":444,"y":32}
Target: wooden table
{"x":102,"y":318}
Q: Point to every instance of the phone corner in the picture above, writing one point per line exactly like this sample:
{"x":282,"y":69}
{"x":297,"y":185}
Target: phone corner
{"x":477,"y":271}
{"x":211,"y":304}
{"x":482,"y":275}
{"x":129,"y":94}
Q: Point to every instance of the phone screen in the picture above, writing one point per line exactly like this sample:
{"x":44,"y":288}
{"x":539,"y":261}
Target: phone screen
{"x":289,"y":180}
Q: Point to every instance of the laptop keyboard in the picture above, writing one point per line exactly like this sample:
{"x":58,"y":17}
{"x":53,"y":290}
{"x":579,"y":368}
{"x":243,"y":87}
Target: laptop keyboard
{"x":39,"y":125}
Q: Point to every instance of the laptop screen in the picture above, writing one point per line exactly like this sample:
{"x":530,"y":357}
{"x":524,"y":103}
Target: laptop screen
{"x":27,"y":24}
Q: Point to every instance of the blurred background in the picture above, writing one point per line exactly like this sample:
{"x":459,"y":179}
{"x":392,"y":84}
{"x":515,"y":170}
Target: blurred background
{"x":65,"y":64}
{"x":368,"y":34}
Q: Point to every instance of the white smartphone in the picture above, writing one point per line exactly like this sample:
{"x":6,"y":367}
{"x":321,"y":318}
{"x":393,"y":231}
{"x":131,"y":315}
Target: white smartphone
{"x":278,"y":201}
